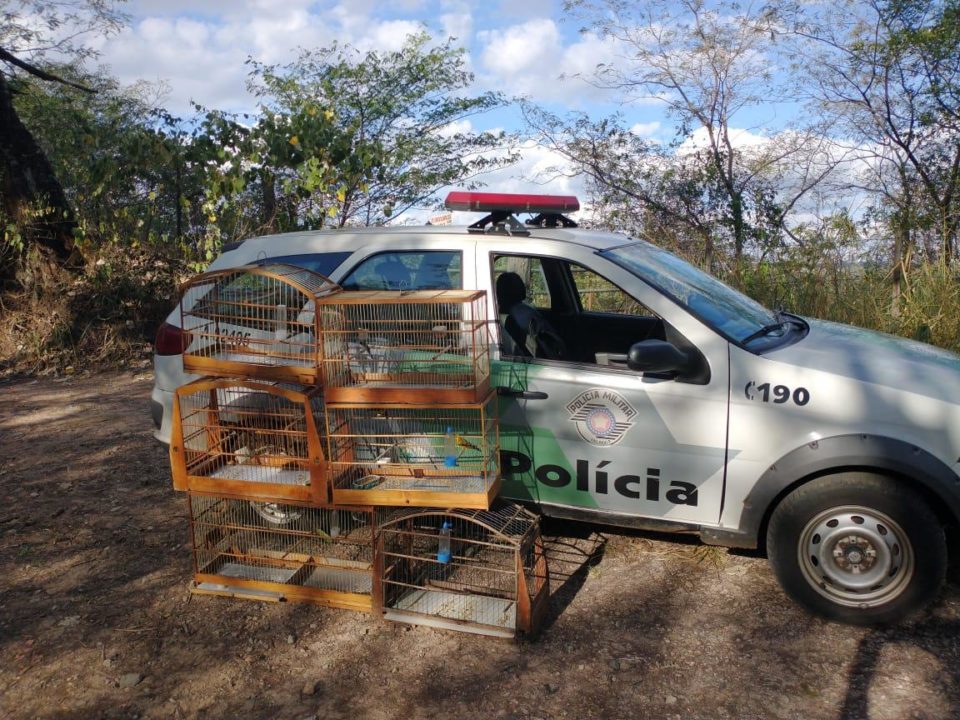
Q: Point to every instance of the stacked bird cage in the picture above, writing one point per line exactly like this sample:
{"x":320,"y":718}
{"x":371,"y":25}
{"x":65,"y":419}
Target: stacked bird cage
{"x":248,"y":444}
{"x":270,"y":551}
{"x":480,"y":571}
{"x":258,"y":440}
{"x":255,"y":322}
{"x":384,"y":346}
{"x":411,"y":419}
{"x":325,"y":404}
{"x":414,"y":454}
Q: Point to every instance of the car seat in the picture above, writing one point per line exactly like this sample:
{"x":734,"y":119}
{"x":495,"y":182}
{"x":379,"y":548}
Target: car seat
{"x":526,"y":331}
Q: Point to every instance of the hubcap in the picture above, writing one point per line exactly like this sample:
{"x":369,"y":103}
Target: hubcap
{"x":276,"y":513}
{"x":856,"y":556}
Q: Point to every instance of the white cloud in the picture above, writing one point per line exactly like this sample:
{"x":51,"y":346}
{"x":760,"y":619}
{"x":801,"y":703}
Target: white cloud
{"x":740,"y":139}
{"x":388,"y":36}
{"x":201,"y":54}
{"x":645,"y":129}
{"x":523,"y":53}
{"x":458,"y":126}
{"x":531,"y":59}
{"x":457,"y":25}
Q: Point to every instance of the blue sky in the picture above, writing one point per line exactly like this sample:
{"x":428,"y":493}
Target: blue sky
{"x":197,"y":48}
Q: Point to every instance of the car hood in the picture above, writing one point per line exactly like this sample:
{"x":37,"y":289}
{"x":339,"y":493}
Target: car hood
{"x":875,"y":357}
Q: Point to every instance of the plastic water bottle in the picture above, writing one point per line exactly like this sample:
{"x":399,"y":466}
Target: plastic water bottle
{"x":334,"y":523}
{"x":450,"y":449}
{"x":443,"y":546}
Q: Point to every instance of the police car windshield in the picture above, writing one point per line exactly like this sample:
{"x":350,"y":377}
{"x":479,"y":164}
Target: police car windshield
{"x":730,"y":312}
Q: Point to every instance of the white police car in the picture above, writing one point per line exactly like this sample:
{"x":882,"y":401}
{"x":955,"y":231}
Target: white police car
{"x":638,"y":391}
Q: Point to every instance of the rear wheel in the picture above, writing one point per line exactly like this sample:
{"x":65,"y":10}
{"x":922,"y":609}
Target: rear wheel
{"x":857,"y":548}
{"x":275,"y":513}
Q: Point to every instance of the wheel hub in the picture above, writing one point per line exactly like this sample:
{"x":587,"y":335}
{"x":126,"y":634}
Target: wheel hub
{"x":856,"y":556}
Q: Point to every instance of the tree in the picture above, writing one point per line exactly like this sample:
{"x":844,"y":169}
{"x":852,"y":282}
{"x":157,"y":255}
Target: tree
{"x":710,"y":65}
{"x":122,"y":162}
{"x":889,"y":72}
{"x":31,"y":196}
{"x":350,"y":138}
{"x":636,"y":186}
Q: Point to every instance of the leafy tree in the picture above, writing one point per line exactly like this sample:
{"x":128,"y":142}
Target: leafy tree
{"x":707,"y":64}
{"x":888,"y":71}
{"x":349,"y":138}
{"x":121,"y":161}
{"x":636,"y":186}
{"x":32,"y":199}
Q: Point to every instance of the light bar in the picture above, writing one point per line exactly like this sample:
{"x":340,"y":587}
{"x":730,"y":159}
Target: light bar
{"x":511,"y":202}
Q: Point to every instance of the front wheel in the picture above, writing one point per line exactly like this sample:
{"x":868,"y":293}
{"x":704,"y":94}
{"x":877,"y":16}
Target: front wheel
{"x":857,"y":548}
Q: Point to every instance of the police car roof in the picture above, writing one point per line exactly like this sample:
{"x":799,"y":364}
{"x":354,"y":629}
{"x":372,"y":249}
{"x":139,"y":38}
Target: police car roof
{"x":347,"y":238}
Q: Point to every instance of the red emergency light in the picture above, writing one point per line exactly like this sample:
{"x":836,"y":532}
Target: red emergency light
{"x":511,"y":202}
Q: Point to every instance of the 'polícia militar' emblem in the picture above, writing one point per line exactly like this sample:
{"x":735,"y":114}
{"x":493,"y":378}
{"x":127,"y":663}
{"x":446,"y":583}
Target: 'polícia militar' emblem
{"x":602,"y":416}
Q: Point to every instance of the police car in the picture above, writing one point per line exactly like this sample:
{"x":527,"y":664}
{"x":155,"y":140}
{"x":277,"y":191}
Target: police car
{"x":638,"y":391}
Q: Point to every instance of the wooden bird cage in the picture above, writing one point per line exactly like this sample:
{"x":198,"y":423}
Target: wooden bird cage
{"x":259,"y":440}
{"x":269,"y":551}
{"x":481,"y":571}
{"x":255,"y":321}
{"x":383,"y":345}
{"x":403,"y":454}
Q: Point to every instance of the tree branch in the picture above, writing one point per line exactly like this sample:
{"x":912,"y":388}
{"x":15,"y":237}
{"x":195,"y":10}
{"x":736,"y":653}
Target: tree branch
{"x":42,"y":74}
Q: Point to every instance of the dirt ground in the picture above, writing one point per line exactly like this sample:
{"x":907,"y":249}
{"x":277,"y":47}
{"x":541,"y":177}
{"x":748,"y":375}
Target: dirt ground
{"x":96,"y":619}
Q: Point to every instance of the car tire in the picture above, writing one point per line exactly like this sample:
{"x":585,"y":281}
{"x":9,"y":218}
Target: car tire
{"x":275,"y":513}
{"x":857,"y":548}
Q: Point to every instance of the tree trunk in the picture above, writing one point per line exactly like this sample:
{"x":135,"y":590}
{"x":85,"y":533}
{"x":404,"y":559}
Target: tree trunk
{"x":901,"y":244}
{"x":178,"y":197}
{"x":30,"y":194}
{"x":739,"y":227}
{"x":268,"y":186}
{"x":708,"y":252}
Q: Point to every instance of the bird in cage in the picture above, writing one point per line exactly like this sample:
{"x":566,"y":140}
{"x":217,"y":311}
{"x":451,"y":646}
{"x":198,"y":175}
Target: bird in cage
{"x":462,"y":442}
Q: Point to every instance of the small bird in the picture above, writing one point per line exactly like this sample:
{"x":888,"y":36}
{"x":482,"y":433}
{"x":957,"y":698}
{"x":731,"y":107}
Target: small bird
{"x":464,"y":443}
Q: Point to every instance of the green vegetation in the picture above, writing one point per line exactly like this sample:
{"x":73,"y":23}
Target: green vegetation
{"x":853,"y":214}
{"x":137,"y":199}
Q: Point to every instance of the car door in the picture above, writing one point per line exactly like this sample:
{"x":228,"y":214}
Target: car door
{"x":583,"y":438}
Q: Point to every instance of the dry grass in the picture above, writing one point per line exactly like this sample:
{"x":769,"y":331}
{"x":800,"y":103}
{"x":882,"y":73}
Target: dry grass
{"x":104,"y":318}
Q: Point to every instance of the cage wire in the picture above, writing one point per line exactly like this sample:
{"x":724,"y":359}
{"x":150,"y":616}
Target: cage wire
{"x":432,"y":455}
{"x":480,"y":571}
{"x":259,"y":439}
{"x":322,"y":555}
{"x":258,"y":321}
{"x":436,"y":342}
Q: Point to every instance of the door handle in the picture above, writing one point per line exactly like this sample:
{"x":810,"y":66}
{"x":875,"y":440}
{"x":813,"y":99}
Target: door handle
{"x":521,"y":394}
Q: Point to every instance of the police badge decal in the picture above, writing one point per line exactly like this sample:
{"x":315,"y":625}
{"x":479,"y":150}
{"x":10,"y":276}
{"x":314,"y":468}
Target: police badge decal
{"x":602,"y":416}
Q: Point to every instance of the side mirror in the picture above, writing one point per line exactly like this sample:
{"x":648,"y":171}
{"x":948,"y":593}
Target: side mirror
{"x":657,"y":356}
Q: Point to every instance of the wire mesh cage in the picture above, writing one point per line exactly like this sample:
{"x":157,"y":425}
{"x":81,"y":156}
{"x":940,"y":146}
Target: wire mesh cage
{"x":383,"y":344}
{"x":481,"y":571}
{"x":255,"y":321}
{"x":286,"y":552}
{"x":250,"y":439}
{"x":428,"y":455}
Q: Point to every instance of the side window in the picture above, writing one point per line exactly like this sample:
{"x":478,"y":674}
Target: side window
{"x":530,"y":270}
{"x":599,"y":295}
{"x":323,"y":263}
{"x":571,"y":313}
{"x":416,"y":270}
